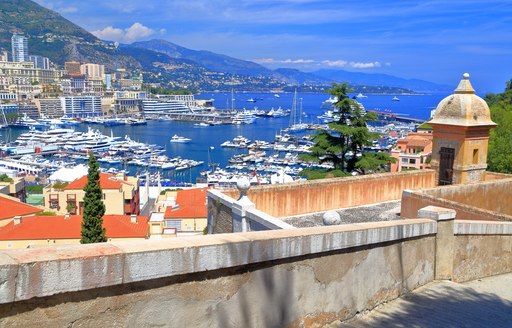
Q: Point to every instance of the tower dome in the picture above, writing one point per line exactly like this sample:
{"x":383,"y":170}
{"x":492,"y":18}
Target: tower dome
{"x":463,"y":108}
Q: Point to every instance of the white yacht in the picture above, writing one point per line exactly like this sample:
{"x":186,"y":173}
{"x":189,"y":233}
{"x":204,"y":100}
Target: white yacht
{"x":177,"y":139}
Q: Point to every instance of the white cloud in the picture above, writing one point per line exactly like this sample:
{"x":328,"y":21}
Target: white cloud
{"x":128,"y":35}
{"x":284,"y":61}
{"x":324,"y":63}
{"x":365,"y":65}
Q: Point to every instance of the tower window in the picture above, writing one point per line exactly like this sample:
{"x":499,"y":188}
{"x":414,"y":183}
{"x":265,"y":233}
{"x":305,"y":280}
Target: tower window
{"x":475,"y":156}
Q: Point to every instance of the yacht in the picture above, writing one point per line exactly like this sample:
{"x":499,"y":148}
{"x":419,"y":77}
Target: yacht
{"x":177,"y":139}
{"x":395,"y":98}
{"x":244,"y":117}
{"x":360,"y":95}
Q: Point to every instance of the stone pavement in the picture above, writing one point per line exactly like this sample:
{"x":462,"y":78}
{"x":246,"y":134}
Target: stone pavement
{"x":481,"y":303}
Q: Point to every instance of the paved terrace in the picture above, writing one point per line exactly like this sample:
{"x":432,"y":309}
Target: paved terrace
{"x":484,"y":302}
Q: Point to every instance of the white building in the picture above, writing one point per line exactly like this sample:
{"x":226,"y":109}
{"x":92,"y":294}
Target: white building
{"x":19,"y":45}
{"x":40,"y":62}
{"x":81,"y":106}
{"x":93,"y":71}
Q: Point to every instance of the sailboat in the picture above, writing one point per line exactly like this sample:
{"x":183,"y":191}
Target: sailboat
{"x":296,"y":124}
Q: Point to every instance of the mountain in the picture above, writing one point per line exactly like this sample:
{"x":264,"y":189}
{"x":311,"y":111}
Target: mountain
{"x":294,"y":76}
{"x":53,"y":36}
{"x":357,"y":78}
{"x":169,"y":64}
{"x":207,"y":59}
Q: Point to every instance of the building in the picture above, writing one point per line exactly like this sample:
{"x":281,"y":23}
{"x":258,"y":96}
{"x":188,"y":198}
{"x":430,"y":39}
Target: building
{"x":81,"y":106}
{"x":50,"y":107}
{"x":40,"y":62}
{"x":13,"y":207}
{"x":14,"y":187}
{"x":73,"y":68}
{"x":412,"y":152}
{"x":120,"y":195}
{"x":39,"y":231}
{"x":93,"y":71}
{"x":19,"y":46}
{"x":23,"y":79}
{"x":187,"y":215}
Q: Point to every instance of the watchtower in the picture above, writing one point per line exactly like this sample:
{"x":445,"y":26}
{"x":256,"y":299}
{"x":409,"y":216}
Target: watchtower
{"x":461,"y":126}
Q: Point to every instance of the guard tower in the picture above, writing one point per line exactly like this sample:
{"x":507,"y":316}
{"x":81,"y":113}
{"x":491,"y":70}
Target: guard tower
{"x":461,"y":126}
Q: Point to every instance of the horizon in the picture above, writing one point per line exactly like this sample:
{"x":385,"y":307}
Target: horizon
{"x":435,"y":41}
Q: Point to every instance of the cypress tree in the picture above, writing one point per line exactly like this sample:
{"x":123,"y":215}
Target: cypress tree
{"x":342,"y":143}
{"x":94,"y":209}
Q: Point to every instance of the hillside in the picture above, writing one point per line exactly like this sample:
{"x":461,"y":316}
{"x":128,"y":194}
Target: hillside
{"x":358,"y":78}
{"x":53,"y":36}
{"x":207,"y":59}
{"x":169,"y":64}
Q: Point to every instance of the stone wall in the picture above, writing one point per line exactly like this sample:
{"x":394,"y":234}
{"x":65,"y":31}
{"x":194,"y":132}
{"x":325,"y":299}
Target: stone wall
{"x":482,"y":249}
{"x":327,"y":194}
{"x":483,"y":201}
{"x":298,"y":277}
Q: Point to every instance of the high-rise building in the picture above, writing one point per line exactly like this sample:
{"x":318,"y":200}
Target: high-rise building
{"x":93,"y":71}
{"x":73,"y":68}
{"x":19,"y":45}
{"x":40,"y":62}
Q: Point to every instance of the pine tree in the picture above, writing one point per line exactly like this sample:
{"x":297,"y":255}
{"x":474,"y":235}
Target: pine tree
{"x":342,"y":144}
{"x":94,"y":209}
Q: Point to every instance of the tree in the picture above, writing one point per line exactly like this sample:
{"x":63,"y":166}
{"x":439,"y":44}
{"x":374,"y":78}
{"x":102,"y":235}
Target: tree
{"x":342,"y":144}
{"x":94,"y":209}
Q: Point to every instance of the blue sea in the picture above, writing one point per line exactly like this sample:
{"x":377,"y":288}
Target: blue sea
{"x":204,"y":138}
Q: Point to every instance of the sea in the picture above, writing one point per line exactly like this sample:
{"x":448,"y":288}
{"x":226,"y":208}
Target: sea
{"x":205,"y":144}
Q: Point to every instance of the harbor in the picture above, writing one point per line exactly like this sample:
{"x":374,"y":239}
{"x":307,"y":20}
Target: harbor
{"x":268,"y":147}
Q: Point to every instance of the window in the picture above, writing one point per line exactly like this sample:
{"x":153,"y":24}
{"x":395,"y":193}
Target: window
{"x":475,"y":156}
{"x":412,"y":161}
{"x":172,"y":223}
{"x":404,"y":161}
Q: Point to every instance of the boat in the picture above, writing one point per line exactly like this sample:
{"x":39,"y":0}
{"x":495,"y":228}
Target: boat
{"x":276,"y":95}
{"x":251,"y":100}
{"x":137,"y":121}
{"x":395,"y":98}
{"x":177,"y":139}
{"x":202,"y":124}
{"x":296,"y":124}
{"x":360,"y":95}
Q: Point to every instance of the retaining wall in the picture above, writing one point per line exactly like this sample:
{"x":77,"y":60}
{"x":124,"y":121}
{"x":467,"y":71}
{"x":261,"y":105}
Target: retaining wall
{"x":329,"y":194}
{"x":300,"y":277}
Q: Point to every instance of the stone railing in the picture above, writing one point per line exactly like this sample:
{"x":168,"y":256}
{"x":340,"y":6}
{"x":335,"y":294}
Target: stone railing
{"x":287,"y":277}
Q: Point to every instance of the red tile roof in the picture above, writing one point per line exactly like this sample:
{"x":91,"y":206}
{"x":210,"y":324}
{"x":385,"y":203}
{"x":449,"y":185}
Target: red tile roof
{"x":10,"y":208}
{"x":192,"y":204}
{"x":107,"y":181}
{"x":57,"y":227}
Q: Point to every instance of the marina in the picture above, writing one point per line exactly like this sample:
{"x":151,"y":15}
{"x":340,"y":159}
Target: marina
{"x":212,"y":147}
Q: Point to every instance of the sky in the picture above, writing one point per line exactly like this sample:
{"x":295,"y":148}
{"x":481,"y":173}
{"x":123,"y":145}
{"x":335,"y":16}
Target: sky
{"x":436,"y":41}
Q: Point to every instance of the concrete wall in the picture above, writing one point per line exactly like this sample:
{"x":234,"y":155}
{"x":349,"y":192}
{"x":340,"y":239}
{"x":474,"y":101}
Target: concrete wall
{"x":327,"y":194}
{"x":482,"y":249}
{"x":295,"y":278}
{"x":483,"y":201}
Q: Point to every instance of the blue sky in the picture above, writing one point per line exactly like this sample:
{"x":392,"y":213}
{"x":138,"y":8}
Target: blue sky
{"x":430,"y":40}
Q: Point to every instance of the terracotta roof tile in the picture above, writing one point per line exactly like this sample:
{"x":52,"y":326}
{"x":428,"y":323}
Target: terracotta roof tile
{"x":107,"y":181}
{"x":192,"y":204}
{"x":10,"y":208}
{"x":57,"y":227}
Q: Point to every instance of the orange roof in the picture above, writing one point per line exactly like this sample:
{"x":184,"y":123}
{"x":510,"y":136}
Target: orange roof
{"x":107,"y":181}
{"x":57,"y":227}
{"x":10,"y":208}
{"x":192,"y":204}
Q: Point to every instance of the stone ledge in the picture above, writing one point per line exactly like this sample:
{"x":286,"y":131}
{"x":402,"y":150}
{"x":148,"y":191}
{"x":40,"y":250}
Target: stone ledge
{"x":469,"y":227}
{"x":53,"y":270}
{"x":29,"y":273}
{"x":221,"y":197}
{"x":267,"y":220}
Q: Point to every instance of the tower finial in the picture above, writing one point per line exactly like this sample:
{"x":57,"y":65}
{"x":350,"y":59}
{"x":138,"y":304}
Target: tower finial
{"x":464,"y":85}
{"x":465,"y":76}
